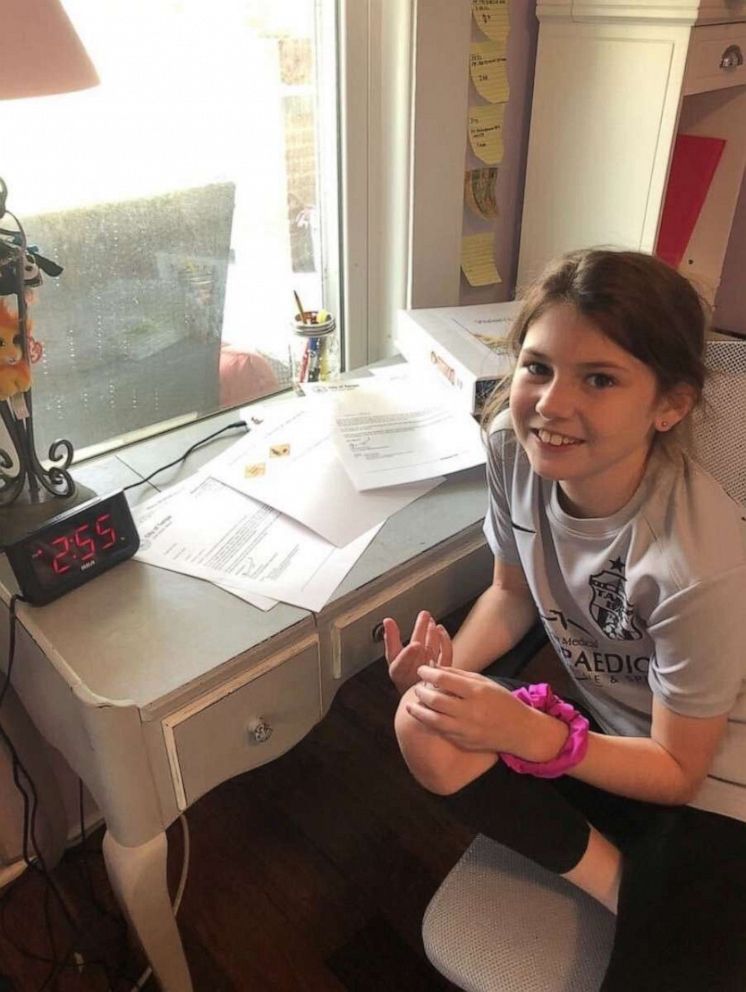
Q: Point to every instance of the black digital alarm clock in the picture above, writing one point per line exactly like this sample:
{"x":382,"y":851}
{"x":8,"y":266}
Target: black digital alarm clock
{"x":73,"y":548}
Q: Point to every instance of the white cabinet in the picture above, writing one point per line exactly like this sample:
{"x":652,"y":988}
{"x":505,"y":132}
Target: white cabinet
{"x":614,"y":84}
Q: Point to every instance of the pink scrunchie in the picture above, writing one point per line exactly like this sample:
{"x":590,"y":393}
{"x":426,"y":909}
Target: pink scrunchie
{"x":540,"y":697}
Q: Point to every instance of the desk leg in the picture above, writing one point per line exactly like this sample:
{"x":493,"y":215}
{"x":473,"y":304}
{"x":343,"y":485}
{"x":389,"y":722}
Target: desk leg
{"x":138,"y":877}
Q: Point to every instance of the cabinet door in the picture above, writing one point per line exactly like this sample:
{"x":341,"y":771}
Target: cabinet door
{"x":605,"y":105}
{"x":719,"y":113}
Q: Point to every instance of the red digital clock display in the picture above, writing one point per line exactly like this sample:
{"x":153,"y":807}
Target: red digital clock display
{"x":79,"y":547}
{"x":73,"y":547}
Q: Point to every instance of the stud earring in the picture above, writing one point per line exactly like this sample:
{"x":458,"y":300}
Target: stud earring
{"x":663,"y":426}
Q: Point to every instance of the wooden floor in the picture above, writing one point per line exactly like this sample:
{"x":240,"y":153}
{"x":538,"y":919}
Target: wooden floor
{"x":311,"y":873}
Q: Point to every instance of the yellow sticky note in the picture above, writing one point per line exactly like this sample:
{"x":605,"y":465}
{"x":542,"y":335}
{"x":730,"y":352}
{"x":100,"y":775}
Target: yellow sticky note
{"x":279,"y":450}
{"x":477,"y":260}
{"x":486,"y":132}
{"x":489,"y":70}
{"x":479,"y":191}
{"x":493,"y":17}
{"x":254,"y":471}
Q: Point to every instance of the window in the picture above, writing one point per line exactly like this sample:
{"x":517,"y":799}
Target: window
{"x":186,"y":197}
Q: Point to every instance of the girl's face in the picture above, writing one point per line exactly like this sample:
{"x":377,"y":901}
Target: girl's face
{"x":586,"y":411}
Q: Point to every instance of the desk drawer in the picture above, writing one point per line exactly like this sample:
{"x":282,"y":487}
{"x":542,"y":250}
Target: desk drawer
{"x":716,"y":58}
{"x":251,"y":720}
{"x":441,"y":587}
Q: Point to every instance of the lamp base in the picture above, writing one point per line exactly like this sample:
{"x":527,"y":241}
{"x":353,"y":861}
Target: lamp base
{"x":23,"y":516}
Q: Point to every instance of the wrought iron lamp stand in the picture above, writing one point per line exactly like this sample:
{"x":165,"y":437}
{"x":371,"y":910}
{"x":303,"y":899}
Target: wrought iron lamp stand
{"x":30,"y":491}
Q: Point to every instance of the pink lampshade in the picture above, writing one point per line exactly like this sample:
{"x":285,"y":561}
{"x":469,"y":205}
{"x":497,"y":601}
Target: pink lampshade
{"x":41,"y":53}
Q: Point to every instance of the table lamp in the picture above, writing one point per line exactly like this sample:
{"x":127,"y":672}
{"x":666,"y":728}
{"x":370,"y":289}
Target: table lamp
{"x":42,"y":55}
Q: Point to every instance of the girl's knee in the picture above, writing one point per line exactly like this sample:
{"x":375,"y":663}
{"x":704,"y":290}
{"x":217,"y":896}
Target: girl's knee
{"x":407,"y":729}
{"x":422,"y":750}
{"x":438,"y":765}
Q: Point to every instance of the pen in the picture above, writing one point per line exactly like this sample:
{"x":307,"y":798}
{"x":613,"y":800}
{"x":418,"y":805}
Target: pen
{"x":302,"y":375}
{"x":324,"y":358}
{"x":313,"y":363}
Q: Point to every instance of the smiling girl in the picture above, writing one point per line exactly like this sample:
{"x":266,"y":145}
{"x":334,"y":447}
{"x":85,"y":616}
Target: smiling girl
{"x":634,"y":559}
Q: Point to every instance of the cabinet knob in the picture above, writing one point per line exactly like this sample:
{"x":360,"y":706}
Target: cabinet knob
{"x":377,"y":632}
{"x":732,"y":57}
{"x":259,"y":730}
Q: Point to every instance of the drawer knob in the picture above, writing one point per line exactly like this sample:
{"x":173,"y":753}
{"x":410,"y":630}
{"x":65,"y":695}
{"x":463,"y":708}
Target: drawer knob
{"x":377,"y":632}
{"x":732,"y":57}
{"x":259,"y":730}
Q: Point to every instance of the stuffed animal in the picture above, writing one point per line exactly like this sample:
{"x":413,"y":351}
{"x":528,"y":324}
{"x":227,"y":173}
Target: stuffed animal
{"x":15,"y":374}
{"x":33,"y":266}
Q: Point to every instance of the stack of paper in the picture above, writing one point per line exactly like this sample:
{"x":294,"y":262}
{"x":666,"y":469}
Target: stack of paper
{"x":285,"y":512}
{"x":293,"y":466}
{"x":206,"y":529}
{"x":395,"y":432}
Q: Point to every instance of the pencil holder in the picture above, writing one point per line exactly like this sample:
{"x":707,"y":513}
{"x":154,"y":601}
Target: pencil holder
{"x":314,"y":347}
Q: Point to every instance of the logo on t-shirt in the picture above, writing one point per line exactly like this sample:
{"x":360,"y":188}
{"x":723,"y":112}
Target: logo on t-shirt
{"x":609,"y":605}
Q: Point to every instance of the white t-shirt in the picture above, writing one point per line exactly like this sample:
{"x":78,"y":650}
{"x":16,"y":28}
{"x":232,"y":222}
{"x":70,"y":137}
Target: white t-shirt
{"x":651,"y":600}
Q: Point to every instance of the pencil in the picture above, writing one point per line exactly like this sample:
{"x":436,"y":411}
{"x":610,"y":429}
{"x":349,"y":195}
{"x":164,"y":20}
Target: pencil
{"x":301,"y":311}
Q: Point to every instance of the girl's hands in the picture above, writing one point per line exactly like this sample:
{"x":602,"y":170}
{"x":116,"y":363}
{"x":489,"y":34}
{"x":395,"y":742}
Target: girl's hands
{"x":429,"y":645}
{"x":470,"y":710}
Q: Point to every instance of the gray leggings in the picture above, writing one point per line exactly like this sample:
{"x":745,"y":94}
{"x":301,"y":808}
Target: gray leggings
{"x":681,"y":922}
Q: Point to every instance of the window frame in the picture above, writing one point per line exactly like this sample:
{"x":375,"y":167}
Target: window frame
{"x":404,"y":84}
{"x":398,"y":147}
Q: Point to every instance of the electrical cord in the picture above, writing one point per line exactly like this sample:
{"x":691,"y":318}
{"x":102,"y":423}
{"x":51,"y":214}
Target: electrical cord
{"x":185,"y":828}
{"x":86,"y":866}
{"x":188,"y":452}
{"x":30,"y":806}
{"x":30,"y":803}
{"x":36,"y":861}
{"x":30,"y":798}
{"x":104,"y":913}
{"x":148,"y":971}
{"x":11,"y":642}
{"x":177,"y":898}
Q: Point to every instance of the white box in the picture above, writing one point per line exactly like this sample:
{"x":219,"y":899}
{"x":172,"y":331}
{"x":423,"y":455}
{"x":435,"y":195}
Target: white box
{"x":448,"y":339}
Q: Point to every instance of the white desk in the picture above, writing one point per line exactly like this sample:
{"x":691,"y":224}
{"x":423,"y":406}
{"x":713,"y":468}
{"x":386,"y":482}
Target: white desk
{"x":156,"y":687}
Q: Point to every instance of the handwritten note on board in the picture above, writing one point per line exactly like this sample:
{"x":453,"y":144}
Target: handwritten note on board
{"x":486,"y":132}
{"x":489,"y":70}
{"x":477,"y":260}
{"x":493,"y":17}
{"x":479,"y":191}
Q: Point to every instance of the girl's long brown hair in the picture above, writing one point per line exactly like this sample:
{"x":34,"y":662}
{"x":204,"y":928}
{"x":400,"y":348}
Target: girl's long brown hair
{"x":636,"y":300}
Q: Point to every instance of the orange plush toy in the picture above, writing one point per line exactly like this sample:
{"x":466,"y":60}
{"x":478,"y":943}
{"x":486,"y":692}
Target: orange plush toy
{"x":15,"y":374}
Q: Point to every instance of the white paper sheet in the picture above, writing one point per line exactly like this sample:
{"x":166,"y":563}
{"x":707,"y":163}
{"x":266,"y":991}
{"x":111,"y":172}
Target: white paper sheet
{"x":399,"y":370}
{"x":291,"y":463}
{"x":208,"y":530}
{"x":150,"y":515}
{"x":398,"y":432}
